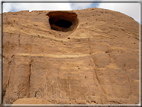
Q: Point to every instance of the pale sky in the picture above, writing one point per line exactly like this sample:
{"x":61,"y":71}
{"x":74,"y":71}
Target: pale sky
{"x":130,"y":9}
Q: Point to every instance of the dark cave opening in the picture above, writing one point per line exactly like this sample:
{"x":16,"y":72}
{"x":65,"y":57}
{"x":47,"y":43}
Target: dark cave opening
{"x":63,"y":23}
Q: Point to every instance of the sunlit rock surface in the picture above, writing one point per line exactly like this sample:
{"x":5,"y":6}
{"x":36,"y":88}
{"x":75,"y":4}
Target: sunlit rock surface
{"x":91,"y":59}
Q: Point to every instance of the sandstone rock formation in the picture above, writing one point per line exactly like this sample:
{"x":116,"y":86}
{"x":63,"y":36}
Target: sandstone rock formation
{"x":31,"y":101}
{"x":88,"y":56}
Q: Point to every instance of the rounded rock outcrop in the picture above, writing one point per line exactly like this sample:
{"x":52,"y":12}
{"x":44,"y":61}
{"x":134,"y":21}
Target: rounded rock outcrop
{"x":91,"y":59}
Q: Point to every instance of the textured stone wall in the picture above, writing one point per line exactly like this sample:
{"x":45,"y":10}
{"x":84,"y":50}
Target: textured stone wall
{"x":97,"y":63}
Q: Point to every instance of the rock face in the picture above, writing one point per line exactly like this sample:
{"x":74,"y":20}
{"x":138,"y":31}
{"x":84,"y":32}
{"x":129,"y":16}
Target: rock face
{"x":88,"y":56}
{"x":30,"y":101}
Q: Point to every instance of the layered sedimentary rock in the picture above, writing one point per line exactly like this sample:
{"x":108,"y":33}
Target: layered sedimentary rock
{"x":88,"y":56}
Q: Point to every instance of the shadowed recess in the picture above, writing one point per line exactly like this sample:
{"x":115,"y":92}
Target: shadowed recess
{"x":63,"y":21}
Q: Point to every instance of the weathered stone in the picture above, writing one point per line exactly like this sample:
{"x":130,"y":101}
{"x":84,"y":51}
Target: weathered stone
{"x":31,"y":101}
{"x":96,"y":62}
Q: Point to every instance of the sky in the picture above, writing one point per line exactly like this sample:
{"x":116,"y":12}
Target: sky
{"x":131,"y":9}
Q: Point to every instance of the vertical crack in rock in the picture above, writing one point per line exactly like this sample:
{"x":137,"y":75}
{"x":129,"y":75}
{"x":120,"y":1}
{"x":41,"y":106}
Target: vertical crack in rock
{"x":9,"y":75}
{"x":69,"y":88}
{"x":128,"y":80}
{"x":30,"y":69}
{"x":19,"y":39}
{"x":108,"y":52}
{"x":111,"y":84}
{"x":95,"y":66}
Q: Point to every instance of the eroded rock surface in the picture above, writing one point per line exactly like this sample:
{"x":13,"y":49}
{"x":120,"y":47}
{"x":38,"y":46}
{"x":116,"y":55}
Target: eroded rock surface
{"x":95,"y":63}
{"x":31,"y":101}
